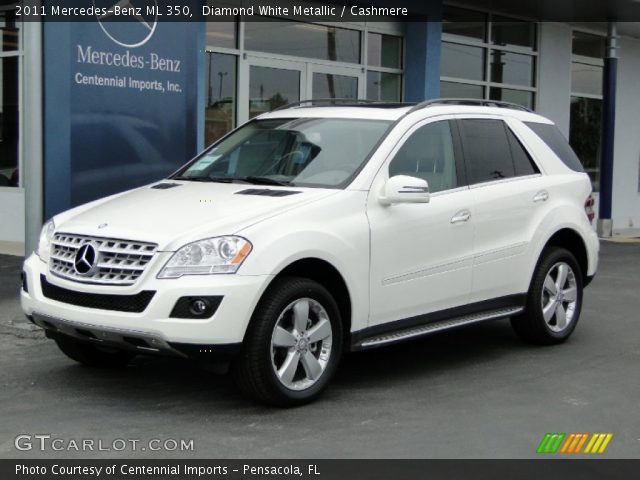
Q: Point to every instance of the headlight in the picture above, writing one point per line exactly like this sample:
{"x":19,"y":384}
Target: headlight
{"x":212,"y":255}
{"x":44,"y":242}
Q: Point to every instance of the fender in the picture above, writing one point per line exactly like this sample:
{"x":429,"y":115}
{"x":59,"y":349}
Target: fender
{"x":561,"y":218}
{"x":347,"y":250}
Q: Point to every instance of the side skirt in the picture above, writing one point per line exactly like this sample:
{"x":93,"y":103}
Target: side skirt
{"x":409,"y":328}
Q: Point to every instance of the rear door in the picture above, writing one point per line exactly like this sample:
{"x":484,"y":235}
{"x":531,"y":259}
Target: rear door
{"x":508,"y":196}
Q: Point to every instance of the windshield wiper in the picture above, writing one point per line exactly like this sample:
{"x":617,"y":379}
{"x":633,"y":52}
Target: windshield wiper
{"x":264,"y":181}
{"x":207,"y":179}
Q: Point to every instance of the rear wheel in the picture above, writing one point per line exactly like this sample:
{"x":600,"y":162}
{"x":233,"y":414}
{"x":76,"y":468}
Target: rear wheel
{"x":93,"y":355}
{"x":554,"y":300}
{"x":293,"y":345}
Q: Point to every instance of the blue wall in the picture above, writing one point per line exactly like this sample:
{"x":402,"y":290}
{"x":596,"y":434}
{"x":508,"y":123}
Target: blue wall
{"x":137,"y":127}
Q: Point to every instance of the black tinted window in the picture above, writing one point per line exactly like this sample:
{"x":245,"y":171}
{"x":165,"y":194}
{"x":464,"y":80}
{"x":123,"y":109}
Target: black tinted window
{"x":522,"y":162}
{"x":486,"y":150}
{"x":556,"y":142}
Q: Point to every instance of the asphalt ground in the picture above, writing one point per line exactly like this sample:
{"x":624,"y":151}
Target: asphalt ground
{"x":477,"y":392}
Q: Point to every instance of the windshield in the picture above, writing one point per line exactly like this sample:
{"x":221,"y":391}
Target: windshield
{"x":316,"y":152}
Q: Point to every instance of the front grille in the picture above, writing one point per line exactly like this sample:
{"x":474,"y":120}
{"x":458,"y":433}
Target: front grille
{"x":119,"y":262}
{"x":122,"y":303}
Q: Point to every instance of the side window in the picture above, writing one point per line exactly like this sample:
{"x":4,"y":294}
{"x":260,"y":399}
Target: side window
{"x":555,"y":140}
{"x":486,"y":150}
{"x":522,"y":161}
{"x":428,"y":153}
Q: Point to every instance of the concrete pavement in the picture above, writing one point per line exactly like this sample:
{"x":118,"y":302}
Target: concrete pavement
{"x":476,"y":392}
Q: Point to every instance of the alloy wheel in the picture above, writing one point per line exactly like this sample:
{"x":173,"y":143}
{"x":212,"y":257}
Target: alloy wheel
{"x":301,"y":344}
{"x":559,"y":297}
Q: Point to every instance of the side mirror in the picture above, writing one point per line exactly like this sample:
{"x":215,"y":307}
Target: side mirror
{"x":405,"y":189}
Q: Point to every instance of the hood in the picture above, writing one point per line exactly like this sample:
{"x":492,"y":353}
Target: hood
{"x":172,"y":213}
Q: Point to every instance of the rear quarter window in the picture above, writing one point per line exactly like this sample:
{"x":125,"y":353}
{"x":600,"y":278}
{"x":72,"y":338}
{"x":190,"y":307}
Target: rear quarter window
{"x":554,"y":139}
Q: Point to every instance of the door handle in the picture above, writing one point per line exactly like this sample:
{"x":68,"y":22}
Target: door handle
{"x":461,"y":216}
{"x":541,"y":196}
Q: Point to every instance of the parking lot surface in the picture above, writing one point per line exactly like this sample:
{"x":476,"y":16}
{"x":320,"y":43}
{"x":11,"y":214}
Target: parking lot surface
{"x":472,"y":393}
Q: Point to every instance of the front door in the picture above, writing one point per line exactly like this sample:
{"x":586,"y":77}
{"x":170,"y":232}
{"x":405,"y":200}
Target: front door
{"x":421,"y":254}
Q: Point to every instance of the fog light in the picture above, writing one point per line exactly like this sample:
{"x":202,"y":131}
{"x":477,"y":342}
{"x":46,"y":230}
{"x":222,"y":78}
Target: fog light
{"x":199,"y":306}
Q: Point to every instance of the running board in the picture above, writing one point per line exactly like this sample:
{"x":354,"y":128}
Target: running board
{"x":406,"y":334}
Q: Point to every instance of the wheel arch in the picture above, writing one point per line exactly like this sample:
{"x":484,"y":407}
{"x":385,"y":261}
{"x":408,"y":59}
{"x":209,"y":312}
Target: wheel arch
{"x":327,"y":275}
{"x":571,"y":240}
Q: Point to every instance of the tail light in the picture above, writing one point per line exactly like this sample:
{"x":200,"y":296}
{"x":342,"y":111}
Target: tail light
{"x":589,"y":205}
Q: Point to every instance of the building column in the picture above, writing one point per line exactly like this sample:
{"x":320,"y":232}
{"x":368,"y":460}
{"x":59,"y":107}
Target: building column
{"x":423,"y":45}
{"x":32,"y":134}
{"x":605,"y":224}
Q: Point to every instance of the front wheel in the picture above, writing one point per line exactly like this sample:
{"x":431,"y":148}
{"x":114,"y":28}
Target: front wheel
{"x":293,"y":344}
{"x":554,"y":300}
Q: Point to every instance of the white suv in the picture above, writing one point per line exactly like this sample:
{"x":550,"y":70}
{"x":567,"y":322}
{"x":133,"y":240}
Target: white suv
{"x":315,"y":230}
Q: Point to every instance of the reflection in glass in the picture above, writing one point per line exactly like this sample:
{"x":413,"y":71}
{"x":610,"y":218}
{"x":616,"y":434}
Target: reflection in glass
{"x":220,"y":97}
{"x":588,"y":45}
{"x":462,"y":61}
{"x":384,"y":50}
{"x":584,"y":135}
{"x":9,"y":123}
{"x":512,"y":68}
{"x":464,"y":24}
{"x":322,"y":152}
{"x":520,"y":97}
{"x":586,"y":78}
{"x":327,"y":85}
{"x":270,"y":88}
{"x":299,"y":39}
{"x":461,"y":90}
{"x":222,"y":34}
{"x":510,"y":32}
{"x":9,"y":31}
{"x":383,"y":86}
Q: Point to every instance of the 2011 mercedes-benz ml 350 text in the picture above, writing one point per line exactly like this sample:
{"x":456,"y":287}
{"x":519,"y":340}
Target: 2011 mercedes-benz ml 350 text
{"x":318,"y":229}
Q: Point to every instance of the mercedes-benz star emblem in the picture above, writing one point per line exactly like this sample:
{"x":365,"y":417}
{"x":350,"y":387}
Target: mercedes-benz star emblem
{"x":131,"y":30}
{"x":86,"y":259}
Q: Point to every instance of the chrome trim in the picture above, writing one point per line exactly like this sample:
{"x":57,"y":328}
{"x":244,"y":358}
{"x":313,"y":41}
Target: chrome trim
{"x":420,"y":330}
{"x":119,"y":262}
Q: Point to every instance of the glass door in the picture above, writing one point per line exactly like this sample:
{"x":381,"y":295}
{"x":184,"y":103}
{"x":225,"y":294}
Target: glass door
{"x":335,"y":82}
{"x":270,"y":84}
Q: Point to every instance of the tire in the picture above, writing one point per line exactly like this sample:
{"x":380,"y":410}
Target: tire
{"x":93,"y":356}
{"x":550,"y":318}
{"x":296,"y":319}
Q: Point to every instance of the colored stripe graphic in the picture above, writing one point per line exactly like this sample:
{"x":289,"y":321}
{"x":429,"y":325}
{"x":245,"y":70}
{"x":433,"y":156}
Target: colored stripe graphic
{"x":598,"y":443}
{"x":573,"y":443}
{"x":550,"y":442}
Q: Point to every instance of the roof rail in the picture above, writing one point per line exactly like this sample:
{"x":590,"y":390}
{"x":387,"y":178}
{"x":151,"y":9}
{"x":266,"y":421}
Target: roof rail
{"x":329,"y":101}
{"x":470,"y":102}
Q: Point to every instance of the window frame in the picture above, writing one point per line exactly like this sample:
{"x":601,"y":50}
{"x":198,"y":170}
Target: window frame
{"x":242,"y":55}
{"x":487,"y":46}
{"x":596,"y":62}
{"x":460,"y":166}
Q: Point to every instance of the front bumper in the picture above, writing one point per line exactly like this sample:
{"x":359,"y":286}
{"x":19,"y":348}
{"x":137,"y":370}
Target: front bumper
{"x":154,"y":324}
